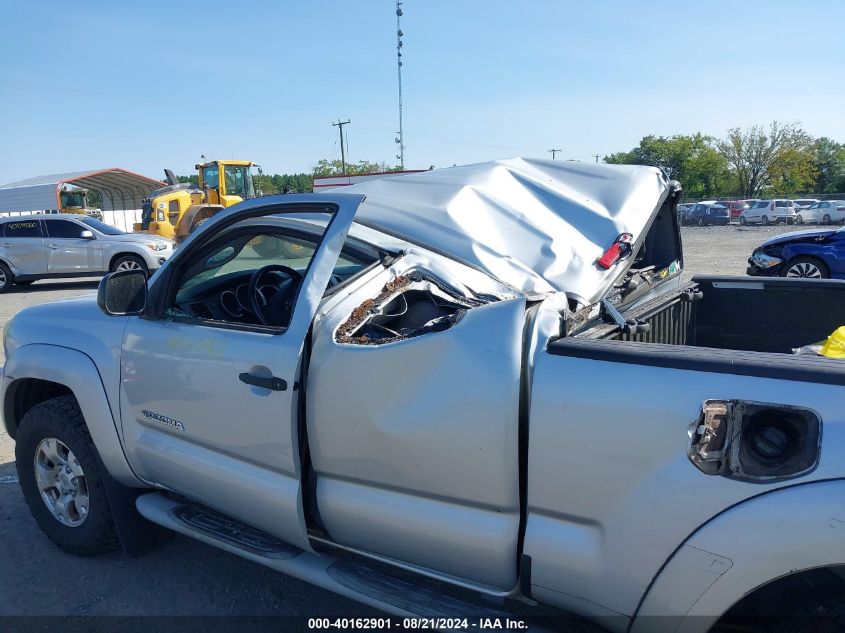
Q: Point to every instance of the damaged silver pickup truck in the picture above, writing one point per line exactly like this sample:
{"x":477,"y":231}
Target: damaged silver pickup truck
{"x":487,"y":380}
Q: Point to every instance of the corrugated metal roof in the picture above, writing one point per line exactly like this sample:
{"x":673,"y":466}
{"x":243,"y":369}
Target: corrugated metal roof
{"x":119,"y":189}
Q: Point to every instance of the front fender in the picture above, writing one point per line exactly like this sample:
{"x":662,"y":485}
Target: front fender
{"x":767,"y":537}
{"x":78,"y":373}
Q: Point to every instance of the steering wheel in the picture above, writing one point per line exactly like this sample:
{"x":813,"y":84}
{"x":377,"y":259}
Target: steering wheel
{"x":275,"y":309}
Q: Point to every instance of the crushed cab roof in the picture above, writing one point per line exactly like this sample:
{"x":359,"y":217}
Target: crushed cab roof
{"x":536,"y":225}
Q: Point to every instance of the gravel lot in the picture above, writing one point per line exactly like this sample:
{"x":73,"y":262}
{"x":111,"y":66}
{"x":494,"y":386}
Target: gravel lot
{"x":184,"y":577}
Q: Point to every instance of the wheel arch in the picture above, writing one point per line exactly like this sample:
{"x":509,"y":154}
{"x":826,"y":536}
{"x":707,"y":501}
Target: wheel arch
{"x":120,"y":254}
{"x":38,"y":372}
{"x":745,"y":548}
{"x":819,"y":255}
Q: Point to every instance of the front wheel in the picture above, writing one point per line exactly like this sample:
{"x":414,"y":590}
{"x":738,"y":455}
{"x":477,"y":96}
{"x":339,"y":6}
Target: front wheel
{"x":129,"y":262}
{"x":765,"y":220}
{"x":60,"y":478}
{"x":6,"y":278}
{"x":826,"y":219}
{"x":799,"y":219}
{"x":805,"y":268}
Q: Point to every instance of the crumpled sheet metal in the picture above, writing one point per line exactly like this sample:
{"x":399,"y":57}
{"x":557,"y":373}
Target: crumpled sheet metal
{"x":536,"y":225}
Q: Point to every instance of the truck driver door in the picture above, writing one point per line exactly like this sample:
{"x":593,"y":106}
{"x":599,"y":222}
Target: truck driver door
{"x":210,"y":395}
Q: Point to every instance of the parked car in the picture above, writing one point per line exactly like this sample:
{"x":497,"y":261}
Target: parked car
{"x":708,"y":214}
{"x":683,"y":209}
{"x":804,"y":203}
{"x":427,"y":413}
{"x":71,"y":245}
{"x":769,"y":211}
{"x":736,"y":207}
{"x":822,"y":212}
{"x":816,"y":254}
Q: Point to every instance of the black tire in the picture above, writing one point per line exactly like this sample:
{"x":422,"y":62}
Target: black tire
{"x":765,"y":220}
{"x":799,"y":219}
{"x":700,"y":221}
{"x":805,"y":261}
{"x":129,"y":261}
{"x":61,"y":418}
{"x":826,"y":219}
{"x":6,"y":278}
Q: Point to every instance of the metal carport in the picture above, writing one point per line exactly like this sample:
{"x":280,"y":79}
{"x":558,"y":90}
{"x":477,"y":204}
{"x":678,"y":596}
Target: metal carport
{"x":121,"y":193}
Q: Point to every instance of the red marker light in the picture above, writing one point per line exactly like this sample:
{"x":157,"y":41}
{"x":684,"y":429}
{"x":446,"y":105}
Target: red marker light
{"x":619,"y":249}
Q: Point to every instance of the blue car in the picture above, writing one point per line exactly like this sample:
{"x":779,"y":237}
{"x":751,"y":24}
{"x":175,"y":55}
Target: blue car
{"x":818,"y":254}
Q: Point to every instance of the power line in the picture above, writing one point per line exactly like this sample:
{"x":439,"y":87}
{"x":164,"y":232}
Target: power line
{"x":339,"y":126}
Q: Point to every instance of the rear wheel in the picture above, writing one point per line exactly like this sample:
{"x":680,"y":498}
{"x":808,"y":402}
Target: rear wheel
{"x":60,"y":478}
{"x":129,"y":262}
{"x":700,"y":221}
{"x":805,"y":268}
{"x":826,"y":219}
{"x":6,"y":278}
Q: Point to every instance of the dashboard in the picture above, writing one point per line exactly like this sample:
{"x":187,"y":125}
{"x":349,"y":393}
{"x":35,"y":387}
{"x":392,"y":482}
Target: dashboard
{"x":226,"y":298}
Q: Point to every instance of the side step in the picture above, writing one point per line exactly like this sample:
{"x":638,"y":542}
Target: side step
{"x":378,"y":585}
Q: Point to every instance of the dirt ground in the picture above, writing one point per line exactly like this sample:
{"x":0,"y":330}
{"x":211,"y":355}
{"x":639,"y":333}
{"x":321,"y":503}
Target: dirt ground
{"x":185,"y":577}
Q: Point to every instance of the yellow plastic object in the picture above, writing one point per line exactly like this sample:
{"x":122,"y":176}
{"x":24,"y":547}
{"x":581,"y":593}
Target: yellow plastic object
{"x":834,"y":347}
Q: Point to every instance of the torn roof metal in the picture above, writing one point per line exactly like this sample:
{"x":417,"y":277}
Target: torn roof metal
{"x":119,"y":189}
{"x":536,"y":225}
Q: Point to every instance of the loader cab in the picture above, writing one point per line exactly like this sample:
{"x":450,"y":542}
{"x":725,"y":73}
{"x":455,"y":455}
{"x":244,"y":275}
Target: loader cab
{"x":226,"y":182}
{"x":73,"y":201}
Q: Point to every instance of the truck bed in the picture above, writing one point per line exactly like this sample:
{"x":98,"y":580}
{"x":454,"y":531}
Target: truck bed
{"x":749,"y":314}
{"x":731,"y":325}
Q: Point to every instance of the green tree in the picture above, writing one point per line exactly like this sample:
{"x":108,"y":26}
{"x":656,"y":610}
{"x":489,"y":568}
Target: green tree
{"x":773,"y":157}
{"x":327,"y":167}
{"x":793,"y":170}
{"x":829,"y":161}
{"x":691,"y":159}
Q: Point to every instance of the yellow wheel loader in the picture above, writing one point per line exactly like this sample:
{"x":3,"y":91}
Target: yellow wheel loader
{"x":176,"y":210}
{"x":75,"y":200}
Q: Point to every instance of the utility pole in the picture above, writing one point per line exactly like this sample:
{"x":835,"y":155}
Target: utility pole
{"x":339,"y":126}
{"x":597,"y":157}
{"x":401,"y":138}
{"x":554,"y":152}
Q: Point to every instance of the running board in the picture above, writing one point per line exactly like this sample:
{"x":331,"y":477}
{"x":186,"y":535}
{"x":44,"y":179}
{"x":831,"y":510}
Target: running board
{"x":378,"y":585}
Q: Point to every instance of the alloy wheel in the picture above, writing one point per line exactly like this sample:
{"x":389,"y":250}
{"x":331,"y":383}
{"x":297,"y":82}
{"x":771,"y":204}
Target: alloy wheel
{"x":128,"y":264}
{"x":61,"y":482}
{"x":3,"y":279}
{"x":805,"y":270}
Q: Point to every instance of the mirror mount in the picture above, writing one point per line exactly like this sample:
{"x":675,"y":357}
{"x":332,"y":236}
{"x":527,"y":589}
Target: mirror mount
{"x":123,"y":293}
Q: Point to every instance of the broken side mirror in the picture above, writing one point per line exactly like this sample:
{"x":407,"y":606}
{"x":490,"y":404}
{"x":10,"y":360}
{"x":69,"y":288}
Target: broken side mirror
{"x":123,"y":293}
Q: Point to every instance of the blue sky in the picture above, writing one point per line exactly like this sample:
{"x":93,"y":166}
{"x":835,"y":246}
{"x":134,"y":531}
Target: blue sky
{"x":148,"y":85}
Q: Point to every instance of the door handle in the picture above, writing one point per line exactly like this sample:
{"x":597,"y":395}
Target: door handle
{"x":272,"y":383}
{"x":53,"y":247}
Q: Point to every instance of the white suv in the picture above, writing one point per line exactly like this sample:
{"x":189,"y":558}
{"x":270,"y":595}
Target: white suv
{"x":68,"y":245}
{"x":768,"y":211}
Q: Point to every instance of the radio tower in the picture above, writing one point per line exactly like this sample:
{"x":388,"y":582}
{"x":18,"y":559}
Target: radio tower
{"x":401,"y":138}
